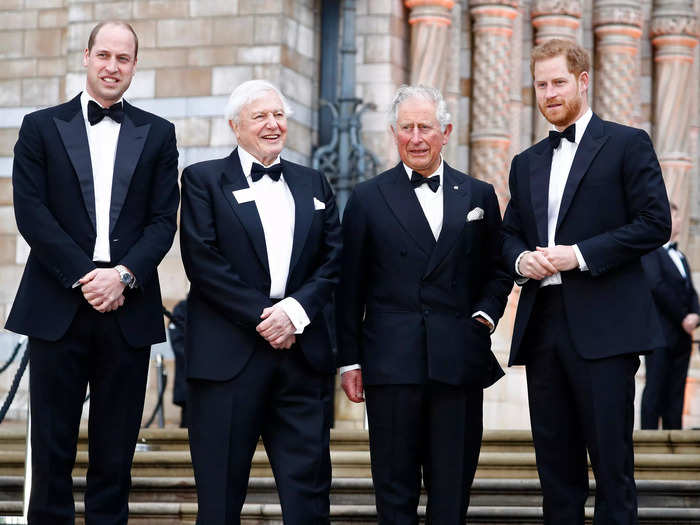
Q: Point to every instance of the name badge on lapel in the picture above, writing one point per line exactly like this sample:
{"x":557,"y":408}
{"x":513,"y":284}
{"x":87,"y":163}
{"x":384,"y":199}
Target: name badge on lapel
{"x":244,"y":195}
{"x":319,"y":205}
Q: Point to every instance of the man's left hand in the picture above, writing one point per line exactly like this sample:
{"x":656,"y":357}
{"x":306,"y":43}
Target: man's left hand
{"x":562,"y":257}
{"x":690,"y":323}
{"x":276,"y":326}
{"x":102,"y":287}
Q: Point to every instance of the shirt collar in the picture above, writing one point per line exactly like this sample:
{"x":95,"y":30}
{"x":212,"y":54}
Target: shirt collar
{"x":438,"y":171}
{"x":247,"y":161}
{"x":85,"y":98}
{"x":581,"y":125}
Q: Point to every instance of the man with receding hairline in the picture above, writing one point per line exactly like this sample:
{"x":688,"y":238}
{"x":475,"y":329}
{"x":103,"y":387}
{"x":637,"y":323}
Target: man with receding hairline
{"x":422,"y":287}
{"x":260,"y":241}
{"x":95,"y":197}
{"x":586,"y":203}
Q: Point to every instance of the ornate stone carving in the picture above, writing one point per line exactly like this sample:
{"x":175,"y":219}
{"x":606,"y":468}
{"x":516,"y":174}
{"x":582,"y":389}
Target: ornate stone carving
{"x":556,"y":7}
{"x":617,"y":27}
{"x":430,"y":21}
{"x":491,"y":92}
{"x":674,"y":34}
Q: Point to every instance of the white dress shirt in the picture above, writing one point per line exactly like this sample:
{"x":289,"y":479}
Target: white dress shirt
{"x":677,"y":258}
{"x":275,"y":205}
{"x":562,"y":159}
{"x":102,"y":139}
{"x":432,"y":204}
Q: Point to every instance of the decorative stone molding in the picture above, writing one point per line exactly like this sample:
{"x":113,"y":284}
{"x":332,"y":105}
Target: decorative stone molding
{"x":674,"y":35}
{"x":430,"y":22}
{"x":556,"y":19}
{"x":492,"y":67}
{"x":617,"y":27}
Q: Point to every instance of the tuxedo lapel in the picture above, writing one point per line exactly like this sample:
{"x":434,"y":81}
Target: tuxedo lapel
{"x":456,"y":200}
{"x":300,"y":187}
{"x":591,"y":142}
{"x":402,"y":201}
{"x":247,"y":212}
{"x":540,"y":169}
{"x":129,"y":147}
{"x":74,"y":137}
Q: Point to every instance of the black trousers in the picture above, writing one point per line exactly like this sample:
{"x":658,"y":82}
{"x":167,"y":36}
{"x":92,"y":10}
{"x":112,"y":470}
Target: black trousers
{"x":579,"y":405}
{"x":93,"y":352}
{"x":279,"y":397}
{"x":664,"y":391}
{"x":433,"y":427}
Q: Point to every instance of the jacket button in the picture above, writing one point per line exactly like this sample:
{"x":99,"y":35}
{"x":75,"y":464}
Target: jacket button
{"x":426,"y":312}
{"x":403,"y":253}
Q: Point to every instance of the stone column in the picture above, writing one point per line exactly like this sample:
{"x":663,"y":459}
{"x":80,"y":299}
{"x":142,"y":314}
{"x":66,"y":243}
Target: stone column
{"x":617,"y":26}
{"x":430,"y":22}
{"x":553,"y":19}
{"x":674,"y":33}
{"x":491,"y":92}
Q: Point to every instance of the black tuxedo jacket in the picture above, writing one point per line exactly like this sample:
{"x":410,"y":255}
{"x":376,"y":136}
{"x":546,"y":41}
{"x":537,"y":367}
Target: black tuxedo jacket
{"x":55,"y":210}
{"x":223,"y":248}
{"x":405,"y":301}
{"x":675,"y":297}
{"x":615,"y":209}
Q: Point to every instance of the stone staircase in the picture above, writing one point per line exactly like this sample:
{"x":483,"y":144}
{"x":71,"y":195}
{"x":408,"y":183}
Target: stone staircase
{"x":506,"y":489}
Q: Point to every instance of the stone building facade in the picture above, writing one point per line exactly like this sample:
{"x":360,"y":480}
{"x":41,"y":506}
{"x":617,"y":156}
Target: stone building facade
{"x":193,"y":52}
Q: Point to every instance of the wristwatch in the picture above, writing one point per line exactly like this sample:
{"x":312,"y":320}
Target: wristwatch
{"x":125,"y":276}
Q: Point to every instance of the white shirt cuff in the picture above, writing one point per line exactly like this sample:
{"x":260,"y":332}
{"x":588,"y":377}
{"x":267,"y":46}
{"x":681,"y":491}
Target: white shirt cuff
{"x":581,"y":261}
{"x":347,"y":368}
{"x":296,"y":313}
{"x":517,"y":263}
{"x":522,"y":279}
{"x":486,"y":316}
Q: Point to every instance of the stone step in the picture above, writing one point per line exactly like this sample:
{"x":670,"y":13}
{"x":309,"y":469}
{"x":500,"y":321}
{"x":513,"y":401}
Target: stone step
{"x":356,"y":464}
{"x":360,"y":491}
{"x":270,"y":514}
{"x":12,"y":437}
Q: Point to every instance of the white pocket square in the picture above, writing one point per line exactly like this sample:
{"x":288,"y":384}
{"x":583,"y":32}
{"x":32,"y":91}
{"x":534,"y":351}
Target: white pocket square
{"x":475,"y":215}
{"x":243,"y":195}
{"x":319,"y":205}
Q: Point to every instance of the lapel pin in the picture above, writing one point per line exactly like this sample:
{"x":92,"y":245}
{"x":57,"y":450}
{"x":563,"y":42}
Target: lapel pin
{"x":455,"y":187}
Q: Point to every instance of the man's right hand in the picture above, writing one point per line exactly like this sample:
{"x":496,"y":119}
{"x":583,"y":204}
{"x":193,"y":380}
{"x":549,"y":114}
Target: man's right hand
{"x":534,"y":265}
{"x":351,"y":381}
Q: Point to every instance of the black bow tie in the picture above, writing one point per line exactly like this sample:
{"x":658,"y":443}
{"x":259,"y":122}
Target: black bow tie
{"x":96,"y":112}
{"x":258,"y":170}
{"x":673,"y":246}
{"x":556,"y":136}
{"x":417,"y":179}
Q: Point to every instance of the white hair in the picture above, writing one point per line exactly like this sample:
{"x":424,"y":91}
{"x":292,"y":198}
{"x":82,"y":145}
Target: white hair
{"x":249,"y":91}
{"x":420,"y":91}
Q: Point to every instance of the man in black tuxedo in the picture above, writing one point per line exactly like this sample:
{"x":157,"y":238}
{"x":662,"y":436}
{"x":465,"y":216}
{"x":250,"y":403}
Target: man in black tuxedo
{"x":261,"y":245}
{"x":671,"y":283}
{"x":586,"y":204}
{"x":96,"y":197}
{"x":422,"y":287}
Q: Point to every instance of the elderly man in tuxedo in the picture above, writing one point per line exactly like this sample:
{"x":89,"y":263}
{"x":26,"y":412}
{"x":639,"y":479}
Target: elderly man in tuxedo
{"x":586,"y":203}
{"x":422,"y":286}
{"x":96,"y":197}
{"x":261,"y":245}
{"x":671,"y":282}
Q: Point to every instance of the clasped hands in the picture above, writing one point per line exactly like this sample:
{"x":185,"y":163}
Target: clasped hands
{"x":276,"y":327}
{"x":544,"y":262}
{"x":103,"y":289}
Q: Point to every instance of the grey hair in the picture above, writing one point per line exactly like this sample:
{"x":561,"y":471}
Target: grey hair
{"x":249,"y":91}
{"x":425,"y":92}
